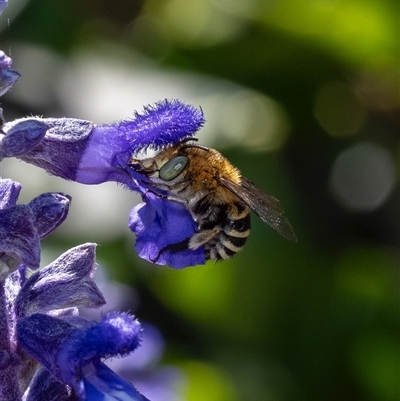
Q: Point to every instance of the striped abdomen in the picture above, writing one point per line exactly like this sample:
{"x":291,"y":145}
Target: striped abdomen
{"x":231,"y":237}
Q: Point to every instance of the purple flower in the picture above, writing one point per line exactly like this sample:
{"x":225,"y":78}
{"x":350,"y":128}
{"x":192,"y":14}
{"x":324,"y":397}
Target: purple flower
{"x":80,"y":151}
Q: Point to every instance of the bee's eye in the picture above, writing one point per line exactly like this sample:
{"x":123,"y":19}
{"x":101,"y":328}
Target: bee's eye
{"x":172,"y":168}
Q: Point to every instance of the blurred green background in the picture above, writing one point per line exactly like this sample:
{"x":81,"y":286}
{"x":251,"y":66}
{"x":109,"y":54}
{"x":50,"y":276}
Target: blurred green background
{"x":302,"y":96}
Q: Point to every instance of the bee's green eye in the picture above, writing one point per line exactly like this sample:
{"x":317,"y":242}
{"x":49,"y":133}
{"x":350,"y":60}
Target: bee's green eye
{"x":172,"y":168}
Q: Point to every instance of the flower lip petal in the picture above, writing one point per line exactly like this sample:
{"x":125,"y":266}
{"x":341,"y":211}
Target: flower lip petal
{"x":159,"y":222}
{"x":5,"y":61}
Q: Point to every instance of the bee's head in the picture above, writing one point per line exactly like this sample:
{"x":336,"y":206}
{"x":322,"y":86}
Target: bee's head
{"x":169,"y":163}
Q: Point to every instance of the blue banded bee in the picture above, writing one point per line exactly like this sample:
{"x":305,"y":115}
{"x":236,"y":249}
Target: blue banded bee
{"x":218,"y":197}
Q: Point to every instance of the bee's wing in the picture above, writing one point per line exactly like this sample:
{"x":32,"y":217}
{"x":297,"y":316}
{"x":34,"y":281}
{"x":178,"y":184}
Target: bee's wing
{"x":265,"y":206}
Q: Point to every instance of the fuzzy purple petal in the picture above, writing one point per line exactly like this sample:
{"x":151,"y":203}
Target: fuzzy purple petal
{"x":12,"y":288}
{"x":67,"y":282}
{"x":117,"y":334}
{"x":166,"y":123}
{"x":159,"y":222}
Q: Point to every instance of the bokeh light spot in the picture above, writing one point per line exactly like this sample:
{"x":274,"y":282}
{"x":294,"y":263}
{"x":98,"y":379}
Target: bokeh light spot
{"x":254,"y":121}
{"x":363,"y":177}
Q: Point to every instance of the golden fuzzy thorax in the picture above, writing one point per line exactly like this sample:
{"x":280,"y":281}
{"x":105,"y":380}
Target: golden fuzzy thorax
{"x":205,"y":168}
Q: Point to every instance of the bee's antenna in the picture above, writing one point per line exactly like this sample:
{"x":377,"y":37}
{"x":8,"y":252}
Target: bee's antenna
{"x":191,"y":138}
{"x":193,"y":145}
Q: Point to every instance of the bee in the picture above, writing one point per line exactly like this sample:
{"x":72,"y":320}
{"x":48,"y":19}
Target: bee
{"x":215,"y":193}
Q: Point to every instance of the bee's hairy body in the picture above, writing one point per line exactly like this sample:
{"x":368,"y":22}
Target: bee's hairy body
{"x":217,"y":196}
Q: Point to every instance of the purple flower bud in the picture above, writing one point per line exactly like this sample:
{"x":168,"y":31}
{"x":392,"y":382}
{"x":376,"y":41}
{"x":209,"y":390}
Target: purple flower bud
{"x":8,"y":77}
{"x":67,"y":282}
{"x":59,"y":150}
{"x":49,"y":211}
{"x":22,"y":137}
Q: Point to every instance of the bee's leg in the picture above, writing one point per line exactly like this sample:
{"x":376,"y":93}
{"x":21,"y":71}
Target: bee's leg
{"x":156,"y":194}
{"x":195,"y":241}
{"x":163,"y":196}
{"x":178,"y":246}
{"x":202,"y":237}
